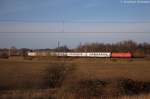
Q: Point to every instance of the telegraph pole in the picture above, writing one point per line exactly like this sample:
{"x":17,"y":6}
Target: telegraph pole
{"x":58,"y":45}
{"x":80,"y":44}
{"x":9,"y":52}
{"x":63,"y":27}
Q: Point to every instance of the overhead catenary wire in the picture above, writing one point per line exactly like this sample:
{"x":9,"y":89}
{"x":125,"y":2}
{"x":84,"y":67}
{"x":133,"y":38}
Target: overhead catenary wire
{"x":63,"y":26}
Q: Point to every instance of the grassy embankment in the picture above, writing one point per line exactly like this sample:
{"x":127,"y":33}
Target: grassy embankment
{"x":29,"y":77}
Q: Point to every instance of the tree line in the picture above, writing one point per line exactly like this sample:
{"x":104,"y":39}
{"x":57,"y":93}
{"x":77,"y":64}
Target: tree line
{"x":137,"y":49}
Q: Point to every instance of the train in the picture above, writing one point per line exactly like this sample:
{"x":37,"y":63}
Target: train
{"x":83,"y":54}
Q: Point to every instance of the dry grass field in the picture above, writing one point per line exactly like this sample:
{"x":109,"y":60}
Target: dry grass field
{"x":27,"y":75}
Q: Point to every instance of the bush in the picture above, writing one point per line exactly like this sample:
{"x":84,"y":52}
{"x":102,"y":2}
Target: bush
{"x":4,"y":55}
{"x":56,"y":73}
{"x":90,"y":87}
{"x":131,"y":87}
{"x":108,"y":88}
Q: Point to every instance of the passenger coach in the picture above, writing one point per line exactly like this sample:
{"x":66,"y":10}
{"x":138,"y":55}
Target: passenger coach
{"x":84,"y":54}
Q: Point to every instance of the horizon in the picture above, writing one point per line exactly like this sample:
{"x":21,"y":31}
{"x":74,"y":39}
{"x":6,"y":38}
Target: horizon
{"x":81,"y":43}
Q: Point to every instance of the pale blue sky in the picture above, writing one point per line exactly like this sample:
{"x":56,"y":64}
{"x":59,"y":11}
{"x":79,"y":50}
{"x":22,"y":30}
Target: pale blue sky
{"x":20,"y":20}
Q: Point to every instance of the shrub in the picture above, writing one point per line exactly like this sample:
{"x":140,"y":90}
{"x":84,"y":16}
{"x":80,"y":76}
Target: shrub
{"x":4,"y":55}
{"x":91,"y":87}
{"x":56,"y":73}
{"x":131,"y":87}
{"x":108,"y":88}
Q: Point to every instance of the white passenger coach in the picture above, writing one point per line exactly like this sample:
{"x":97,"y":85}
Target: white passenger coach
{"x":73,"y":54}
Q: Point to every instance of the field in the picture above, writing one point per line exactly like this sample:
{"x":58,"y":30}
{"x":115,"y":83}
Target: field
{"x":24,"y":77}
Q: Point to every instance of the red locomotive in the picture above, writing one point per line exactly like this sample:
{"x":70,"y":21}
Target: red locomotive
{"x":121,"y":54}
